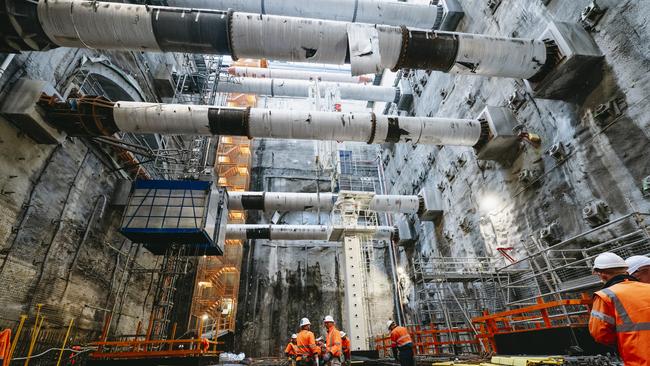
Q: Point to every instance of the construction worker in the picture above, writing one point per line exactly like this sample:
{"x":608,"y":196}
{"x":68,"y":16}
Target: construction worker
{"x":307,"y":351}
{"x":205,"y":344}
{"x":639,"y":267}
{"x":620,"y":315}
{"x":347,"y":349}
{"x":322,"y":350}
{"x":402,"y":342}
{"x":333,"y":349}
{"x":291,"y":351}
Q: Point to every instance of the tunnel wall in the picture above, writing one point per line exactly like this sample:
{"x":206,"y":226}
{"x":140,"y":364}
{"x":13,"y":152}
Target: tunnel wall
{"x":606,"y":161}
{"x":607,"y":164}
{"x":48,"y":195}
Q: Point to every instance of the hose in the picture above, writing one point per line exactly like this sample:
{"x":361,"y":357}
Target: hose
{"x":53,"y":349}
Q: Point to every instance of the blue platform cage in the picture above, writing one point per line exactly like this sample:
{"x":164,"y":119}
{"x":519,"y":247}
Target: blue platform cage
{"x":162,"y":213}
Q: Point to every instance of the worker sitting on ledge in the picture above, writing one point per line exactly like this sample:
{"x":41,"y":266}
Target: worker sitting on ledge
{"x":291,"y":351}
{"x":639,"y":267}
{"x":402,"y":342}
{"x":620,"y":315}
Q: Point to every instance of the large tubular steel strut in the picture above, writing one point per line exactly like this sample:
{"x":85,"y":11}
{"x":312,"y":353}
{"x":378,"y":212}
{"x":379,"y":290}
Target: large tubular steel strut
{"x":95,"y":116}
{"x":290,"y":201}
{"x":42,"y":25}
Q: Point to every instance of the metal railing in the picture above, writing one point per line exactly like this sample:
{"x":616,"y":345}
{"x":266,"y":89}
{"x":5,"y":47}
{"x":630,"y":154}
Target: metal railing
{"x":566,"y":267}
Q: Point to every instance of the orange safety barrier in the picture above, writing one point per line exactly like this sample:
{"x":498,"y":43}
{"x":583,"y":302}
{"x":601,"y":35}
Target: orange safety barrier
{"x":429,"y":340}
{"x":543,"y":315}
{"x":5,"y":346}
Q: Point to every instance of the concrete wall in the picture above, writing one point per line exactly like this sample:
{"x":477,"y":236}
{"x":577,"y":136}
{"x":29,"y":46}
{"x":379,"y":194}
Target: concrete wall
{"x":284,"y":281}
{"x":51,"y":197}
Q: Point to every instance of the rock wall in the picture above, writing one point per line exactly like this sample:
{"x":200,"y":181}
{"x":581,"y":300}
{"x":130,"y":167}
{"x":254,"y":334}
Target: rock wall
{"x":284,"y":281}
{"x":59,"y":244}
{"x":606,"y":161}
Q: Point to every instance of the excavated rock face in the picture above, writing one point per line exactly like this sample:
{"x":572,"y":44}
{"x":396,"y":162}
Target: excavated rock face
{"x":606,"y":159}
{"x":51,"y":196}
{"x":605,"y":154}
{"x":282,"y":282}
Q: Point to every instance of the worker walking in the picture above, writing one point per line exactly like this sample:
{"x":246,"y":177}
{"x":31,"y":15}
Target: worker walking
{"x":639,"y":267}
{"x":402,"y":343}
{"x":620,"y":315}
{"x":333,"y":347}
{"x":307,"y":351}
{"x":291,"y":351}
{"x":347,"y":349}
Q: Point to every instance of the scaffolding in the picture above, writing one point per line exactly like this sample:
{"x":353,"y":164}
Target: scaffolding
{"x":174,"y":264}
{"x":217,"y":280}
{"x":566,"y":267}
{"x":450,"y":291}
{"x":459,"y":293}
{"x":358,"y":168}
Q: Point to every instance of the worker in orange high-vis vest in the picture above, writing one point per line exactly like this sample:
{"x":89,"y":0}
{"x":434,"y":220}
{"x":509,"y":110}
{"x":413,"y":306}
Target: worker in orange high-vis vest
{"x":307,"y":351}
{"x":620,"y":315}
{"x":347,"y":348}
{"x":333,"y":346}
{"x":402,"y":344}
{"x":639,"y":267}
{"x":291,"y":351}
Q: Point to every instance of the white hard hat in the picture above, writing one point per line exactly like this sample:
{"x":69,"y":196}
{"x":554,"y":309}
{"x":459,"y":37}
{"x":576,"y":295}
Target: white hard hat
{"x":294,"y":336}
{"x":389,"y":323}
{"x":342,"y":334}
{"x":609,"y":260}
{"x":319,"y":339}
{"x":328,"y":318}
{"x":304,"y":321}
{"x":635,"y":263}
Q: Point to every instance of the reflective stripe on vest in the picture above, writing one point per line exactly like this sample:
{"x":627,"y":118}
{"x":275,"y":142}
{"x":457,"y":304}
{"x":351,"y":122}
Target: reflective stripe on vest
{"x":400,"y":339}
{"x":329,"y":340}
{"x":604,"y":317}
{"x":628,"y":325}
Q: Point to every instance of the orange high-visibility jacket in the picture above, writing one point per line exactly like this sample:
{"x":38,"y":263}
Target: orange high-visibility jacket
{"x":621,"y":316}
{"x":291,"y":350}
{"x":334,"y":342}
{"x":400,"y":336}
{"x":345,"y":343}
{"x":306,"y":343}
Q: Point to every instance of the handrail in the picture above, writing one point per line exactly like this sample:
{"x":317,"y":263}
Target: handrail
{"x":564,"y":242}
